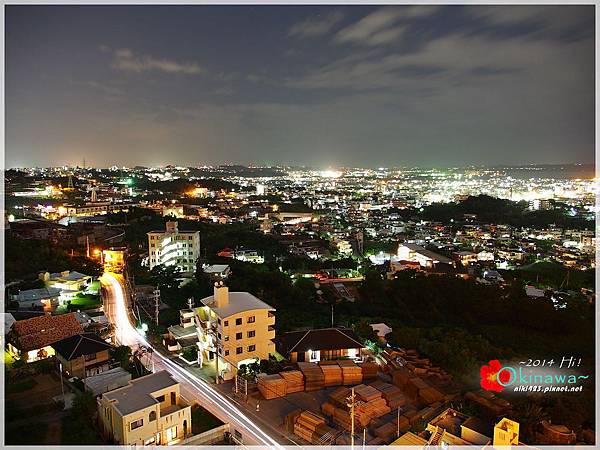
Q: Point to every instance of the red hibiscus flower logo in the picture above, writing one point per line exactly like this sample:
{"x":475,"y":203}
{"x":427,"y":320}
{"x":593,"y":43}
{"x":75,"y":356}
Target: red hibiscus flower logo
{"x":489,"y":376}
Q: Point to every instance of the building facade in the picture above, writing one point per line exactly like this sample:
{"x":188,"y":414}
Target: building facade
{"x":147,"y":411}
{"x":235,"y":325}
{"x":173,"y":247}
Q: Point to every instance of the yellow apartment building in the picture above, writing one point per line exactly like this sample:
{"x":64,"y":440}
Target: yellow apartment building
{"x":148,"y":411}
{"x":235,"y":325}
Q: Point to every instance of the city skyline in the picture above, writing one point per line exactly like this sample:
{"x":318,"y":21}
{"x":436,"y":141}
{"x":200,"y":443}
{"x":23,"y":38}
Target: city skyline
{"x":354,"y":86}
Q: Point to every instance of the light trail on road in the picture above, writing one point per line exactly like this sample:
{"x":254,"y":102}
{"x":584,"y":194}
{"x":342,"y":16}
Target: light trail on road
{"x":209,"y":397}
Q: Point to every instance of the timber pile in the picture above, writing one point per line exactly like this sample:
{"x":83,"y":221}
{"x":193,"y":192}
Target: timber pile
{"x":339,"y":397}
{"x":366,"y":393}
{"x":341,"y":418}
{"x":272,"y":386}
{"x":371,"y":409}
{"x":369,"y":370}
{"x":294,"y":381}
{"x":332,"y":372}
{"x":314,"y":379}
{"x":351,"y":373}
{"x":328,"y":409}
{"x":368,"y":405}
{"x":312,"y":428}
{"x":386,"y":431}
{"x":429,"y":395}
{"x":391,"y":393}
{"x":290,"y":420}
{"x":492,"y":406}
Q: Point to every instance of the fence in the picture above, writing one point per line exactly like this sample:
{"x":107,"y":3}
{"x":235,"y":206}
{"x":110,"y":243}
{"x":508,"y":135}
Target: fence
{"x":208,"y":437}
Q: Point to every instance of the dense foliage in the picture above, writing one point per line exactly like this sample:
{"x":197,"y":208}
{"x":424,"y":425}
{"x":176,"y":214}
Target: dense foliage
{"x":28,"y":257}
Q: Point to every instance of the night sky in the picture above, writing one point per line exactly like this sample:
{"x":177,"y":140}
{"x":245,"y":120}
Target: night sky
{"x":316,"y":85}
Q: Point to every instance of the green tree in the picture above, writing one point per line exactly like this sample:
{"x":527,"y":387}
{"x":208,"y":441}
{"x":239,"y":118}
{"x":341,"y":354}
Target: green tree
{"x":122,"y":354}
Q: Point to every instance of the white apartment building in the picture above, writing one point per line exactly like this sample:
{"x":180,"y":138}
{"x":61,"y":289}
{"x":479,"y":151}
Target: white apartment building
{"x":174,"y":248}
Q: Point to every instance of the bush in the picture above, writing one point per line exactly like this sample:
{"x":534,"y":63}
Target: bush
{"x":21,"y":386}
{"x":190,"y":353}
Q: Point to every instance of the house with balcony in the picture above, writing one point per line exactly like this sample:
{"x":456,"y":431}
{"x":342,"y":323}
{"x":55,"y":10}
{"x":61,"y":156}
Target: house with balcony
{"x":234,"y":328}
{"x":147,"y":411}
{"x":182,"y":335}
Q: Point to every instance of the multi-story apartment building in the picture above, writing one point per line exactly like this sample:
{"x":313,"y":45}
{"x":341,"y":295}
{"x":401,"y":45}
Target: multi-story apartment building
{"x":148,"y":411}
{"x":236,"y":326}
{"x":173,"y":247}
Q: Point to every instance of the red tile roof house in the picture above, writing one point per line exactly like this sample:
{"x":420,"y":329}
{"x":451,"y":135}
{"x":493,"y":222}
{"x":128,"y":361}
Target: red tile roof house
{"x":32,"y":339}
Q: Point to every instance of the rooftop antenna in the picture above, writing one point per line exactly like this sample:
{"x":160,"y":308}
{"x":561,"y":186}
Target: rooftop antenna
{"x":70,"y":184}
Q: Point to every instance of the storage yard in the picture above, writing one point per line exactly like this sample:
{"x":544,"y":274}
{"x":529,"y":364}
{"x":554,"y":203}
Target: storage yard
{"x":313,"y":400}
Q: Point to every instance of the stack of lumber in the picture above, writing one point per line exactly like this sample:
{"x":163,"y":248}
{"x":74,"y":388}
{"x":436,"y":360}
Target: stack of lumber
{"x":386,"y":431}
{"x":371,"y":409}
{"x":429,"y":395}
{"x":328,"y":409}
{"x":369,"y":370}
{"x":339,"y":397}
{"x":413,"y":386}
{"x":393,"y":396}
{"x":272,"y":386}
{"x":404,"y":424}
{"x":290,"y":420}
{"x":314,"y":380}
{"x":341,"y":418}
{"x":366,"y":393}
{"x":332,"y":372}
{"x":351,"y":373}
{"x":492,"y":406}
{"x":312,"y":428}
{"x":376,"y":441}
{"x":400,"y":376}
{"x":294,"y":381}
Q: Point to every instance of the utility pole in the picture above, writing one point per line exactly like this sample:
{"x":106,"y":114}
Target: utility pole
{"x":332,"y":315}
{"x":156,"y":304}
{"x":350,"y":404}
{"x":216,"y":335}
{"x":62,"y":388}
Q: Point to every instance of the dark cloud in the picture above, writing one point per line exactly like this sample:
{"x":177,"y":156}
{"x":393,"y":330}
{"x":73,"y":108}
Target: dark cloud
{"x":427,"y":85}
